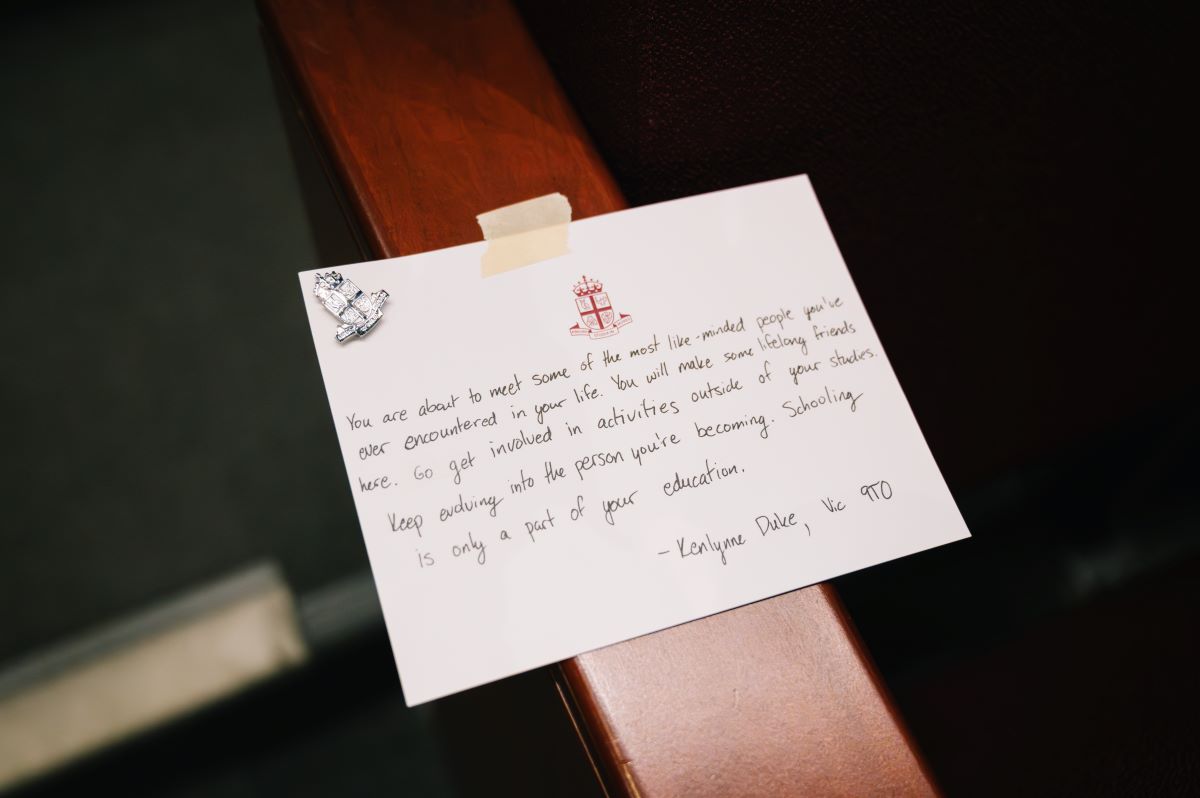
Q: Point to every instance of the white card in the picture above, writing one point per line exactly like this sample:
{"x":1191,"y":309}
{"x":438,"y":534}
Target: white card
{"x":544,"y":464}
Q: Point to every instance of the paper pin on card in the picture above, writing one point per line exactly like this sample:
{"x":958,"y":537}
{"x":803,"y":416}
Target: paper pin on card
{"x":685,"y":410}
{"x":358,"y":312}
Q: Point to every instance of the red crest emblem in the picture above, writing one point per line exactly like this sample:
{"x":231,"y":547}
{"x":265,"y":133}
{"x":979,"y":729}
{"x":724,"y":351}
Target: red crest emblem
{"x":597,"y":319}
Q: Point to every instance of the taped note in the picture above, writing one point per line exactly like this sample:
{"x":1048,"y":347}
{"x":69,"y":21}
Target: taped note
{"x":687,"y":412}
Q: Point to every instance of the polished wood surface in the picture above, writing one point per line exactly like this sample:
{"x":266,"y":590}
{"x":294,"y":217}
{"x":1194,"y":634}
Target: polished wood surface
{"x":774,"y":698}
{"x":429,"y":113}
{"x":419,"y":131}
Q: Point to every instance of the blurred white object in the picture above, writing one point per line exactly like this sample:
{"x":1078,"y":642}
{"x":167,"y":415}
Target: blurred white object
{"x":133,"y":674}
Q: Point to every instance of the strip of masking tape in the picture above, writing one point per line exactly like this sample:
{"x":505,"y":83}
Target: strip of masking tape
{"x":525,"y":233}
{"x":146,"y":669}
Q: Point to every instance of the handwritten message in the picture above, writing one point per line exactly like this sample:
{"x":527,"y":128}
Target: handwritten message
{"x":532,"y":425}
{"x":529,"y":491}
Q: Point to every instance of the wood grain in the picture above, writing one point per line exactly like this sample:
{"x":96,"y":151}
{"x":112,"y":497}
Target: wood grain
{"x":421,"y":134}
{"x":429,"y":113}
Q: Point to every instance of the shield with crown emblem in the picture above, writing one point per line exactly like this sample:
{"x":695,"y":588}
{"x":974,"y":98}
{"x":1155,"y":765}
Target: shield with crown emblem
{"x":597,"y":318}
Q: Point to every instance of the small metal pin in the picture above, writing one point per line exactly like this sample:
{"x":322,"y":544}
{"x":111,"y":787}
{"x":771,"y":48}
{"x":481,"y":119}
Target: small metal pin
{"x":358,"y":312}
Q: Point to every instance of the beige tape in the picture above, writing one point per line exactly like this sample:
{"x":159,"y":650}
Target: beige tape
{"x":525,"y":233}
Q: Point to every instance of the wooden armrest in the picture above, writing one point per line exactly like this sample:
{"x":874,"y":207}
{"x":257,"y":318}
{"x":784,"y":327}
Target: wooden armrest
{"x":430,"y":113}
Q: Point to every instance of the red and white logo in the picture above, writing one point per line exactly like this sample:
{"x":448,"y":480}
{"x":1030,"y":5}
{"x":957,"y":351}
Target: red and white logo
{"x":596,"y":315}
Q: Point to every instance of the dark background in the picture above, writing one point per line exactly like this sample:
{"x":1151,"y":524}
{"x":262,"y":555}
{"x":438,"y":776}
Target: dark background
{"x":1008,"y":185}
